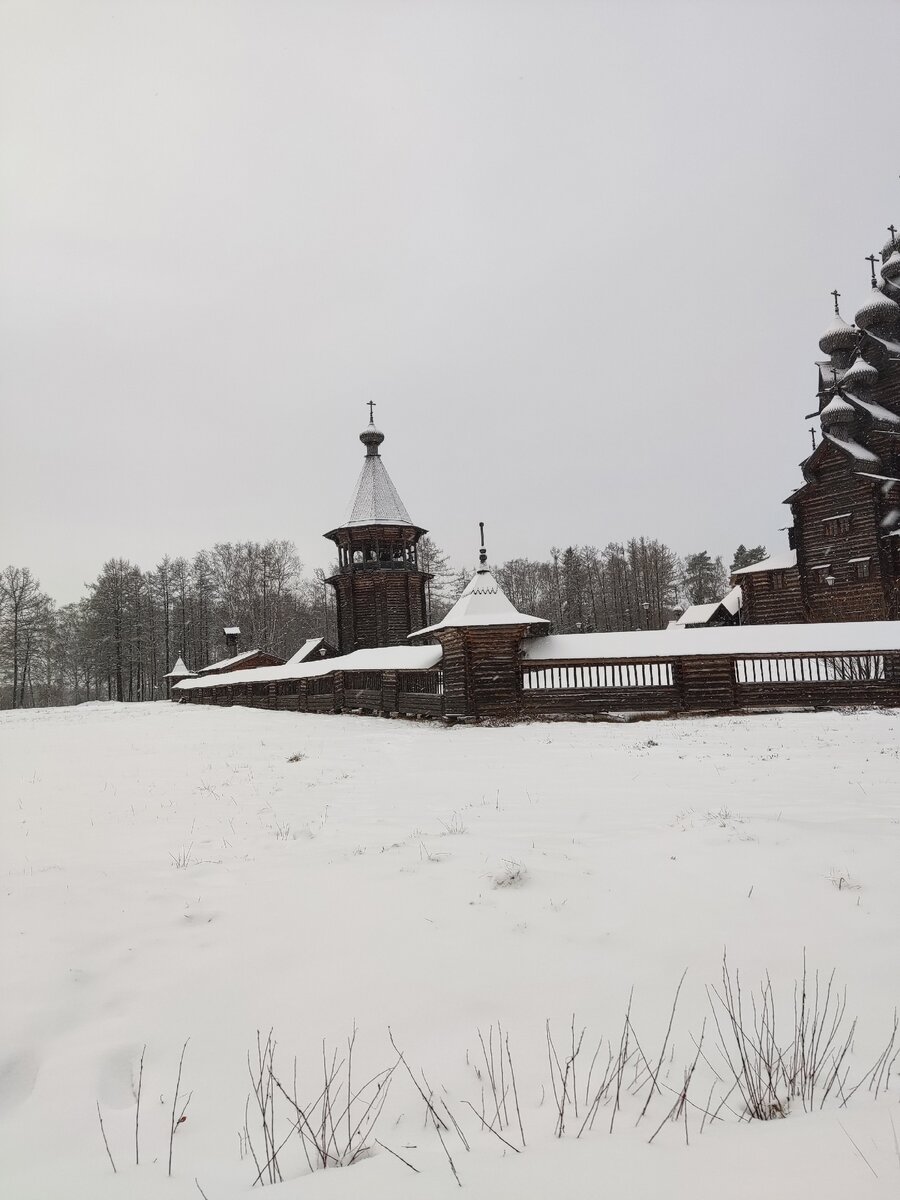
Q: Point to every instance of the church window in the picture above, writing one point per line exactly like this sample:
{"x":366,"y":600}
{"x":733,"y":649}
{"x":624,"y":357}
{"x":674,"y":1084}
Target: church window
{"x":833,"y":526}
{"x":778,"y":581}
{"x":862,"y":566}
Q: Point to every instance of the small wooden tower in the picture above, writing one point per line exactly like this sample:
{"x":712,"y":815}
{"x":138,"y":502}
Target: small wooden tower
{"x":379,"y":587}
{"x":178,"y":672}
{"x":481,"y":637}
{"x":232,"y":634}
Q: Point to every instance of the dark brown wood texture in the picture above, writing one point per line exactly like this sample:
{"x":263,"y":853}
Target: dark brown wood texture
{"x":379,"y":588}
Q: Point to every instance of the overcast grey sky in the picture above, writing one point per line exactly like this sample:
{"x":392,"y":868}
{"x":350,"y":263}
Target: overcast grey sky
{"x":578,"y":253}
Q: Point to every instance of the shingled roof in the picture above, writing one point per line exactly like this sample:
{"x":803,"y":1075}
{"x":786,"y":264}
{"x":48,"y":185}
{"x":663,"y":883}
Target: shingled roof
{"x":375,"y":500}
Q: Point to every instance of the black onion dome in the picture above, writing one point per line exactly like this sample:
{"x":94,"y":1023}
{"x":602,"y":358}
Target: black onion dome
{"x":861,"y":375}
{"x":878,"y":312}
{"x":838,"y":336}
{"x":371,"y":438}
{"x":837,"y":413}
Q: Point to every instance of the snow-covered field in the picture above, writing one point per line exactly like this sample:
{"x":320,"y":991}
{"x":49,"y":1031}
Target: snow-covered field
{"x":171,"y":873}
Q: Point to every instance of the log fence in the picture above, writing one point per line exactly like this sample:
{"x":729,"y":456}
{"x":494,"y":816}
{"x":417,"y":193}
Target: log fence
{"x":591,"y":687}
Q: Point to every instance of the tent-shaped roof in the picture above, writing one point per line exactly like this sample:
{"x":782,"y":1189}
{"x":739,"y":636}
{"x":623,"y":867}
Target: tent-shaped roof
{"x":482,"y":603}
{"x":375,"y":499}
{"x":179,"y":671}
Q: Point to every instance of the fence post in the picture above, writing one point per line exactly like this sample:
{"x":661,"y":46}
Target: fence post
{"x":390,"y":691}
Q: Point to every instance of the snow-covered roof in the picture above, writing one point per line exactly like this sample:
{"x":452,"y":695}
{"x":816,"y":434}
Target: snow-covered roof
{"x":732,"y":601}
{"x":224,"y":663}
{"x":232,"y":631}
{"x":834,"y":637}
{"x":876,"y":411}
{"x":775,"y":562}
{"x":308,"y":647}
{"x":854,"y":449}
{"x":179,"y":671}
{"x":482,"y":603}
{"x":697,"y":614}
{"x":382,"y":658}
{"x":700,"y":614}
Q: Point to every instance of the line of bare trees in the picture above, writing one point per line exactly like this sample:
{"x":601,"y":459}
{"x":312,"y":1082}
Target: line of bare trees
{"x":120,"y":639}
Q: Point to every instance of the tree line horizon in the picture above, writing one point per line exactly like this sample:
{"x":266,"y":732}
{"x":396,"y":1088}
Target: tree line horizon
{"x":121,"y":637}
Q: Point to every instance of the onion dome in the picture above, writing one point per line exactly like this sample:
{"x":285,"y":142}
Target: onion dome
{"x":860,"y":376}
{"x":837,"y":414}
{"x":879,"y":312}
{"x":371,"y":438}
{"x":890,"y":269}
{"x":838,"y":336}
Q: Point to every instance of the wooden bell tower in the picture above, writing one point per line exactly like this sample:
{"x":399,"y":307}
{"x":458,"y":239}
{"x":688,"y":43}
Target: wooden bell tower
{"x":379,"y":587}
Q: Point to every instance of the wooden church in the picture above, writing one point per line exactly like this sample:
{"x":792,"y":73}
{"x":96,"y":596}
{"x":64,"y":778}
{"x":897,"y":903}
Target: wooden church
{"x":843,"y":561}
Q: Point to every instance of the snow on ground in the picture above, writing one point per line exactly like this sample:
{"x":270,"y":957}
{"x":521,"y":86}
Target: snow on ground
{"x":170,"y":873}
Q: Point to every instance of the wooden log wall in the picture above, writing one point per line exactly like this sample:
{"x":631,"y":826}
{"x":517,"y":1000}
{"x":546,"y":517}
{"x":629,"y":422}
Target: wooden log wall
{"x":483,"y":676}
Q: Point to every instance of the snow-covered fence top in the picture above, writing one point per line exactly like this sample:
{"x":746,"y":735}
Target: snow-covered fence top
{"x":839,"y":637}
{"x":385,"y":658}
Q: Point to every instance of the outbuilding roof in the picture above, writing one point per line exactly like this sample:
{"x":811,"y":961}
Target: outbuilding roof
{"x":225,"y":663}
{"x":775,"y":562}
{"x":309,"y":647}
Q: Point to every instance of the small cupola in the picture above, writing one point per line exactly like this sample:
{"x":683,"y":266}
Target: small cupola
{"x":860,"y":376}
{"x":839,"y":337}
{"x":837,"y":415}
{"x":879,"y":313}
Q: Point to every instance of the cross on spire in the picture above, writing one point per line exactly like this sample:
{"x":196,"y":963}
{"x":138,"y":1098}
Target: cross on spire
{"x":837,"y":296}
{"x":871,"y":259}
{"x":371,"y":404}
{"x":893,"y":232}
{"x":482,"y":553}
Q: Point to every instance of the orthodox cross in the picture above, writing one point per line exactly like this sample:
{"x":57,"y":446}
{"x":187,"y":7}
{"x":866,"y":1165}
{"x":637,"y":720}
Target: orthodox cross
{"x":812,"y":434}
{"x":871,"y":259}
{"x":837,"y":296}
{"x":893,"y":232}
{"x":482,"y":553}
{"x":371,"y":404}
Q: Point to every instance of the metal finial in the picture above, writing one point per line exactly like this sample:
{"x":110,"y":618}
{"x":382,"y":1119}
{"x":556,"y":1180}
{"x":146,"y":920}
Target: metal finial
{"x":871,"y":259}
{"x":371,"y":404}
{"x":834,"y":382}
{"x":812,"y":434}
{"x":837,"y":296}
{"x":482,"y":553}
{"x":893,"y":232}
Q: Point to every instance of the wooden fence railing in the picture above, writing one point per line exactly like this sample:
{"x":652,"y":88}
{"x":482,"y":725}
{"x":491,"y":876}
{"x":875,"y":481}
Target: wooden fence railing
{"x":711,"y":683}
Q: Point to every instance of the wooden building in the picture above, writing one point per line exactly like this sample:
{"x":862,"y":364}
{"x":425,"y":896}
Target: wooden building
{"x":245,"y":661}
{"x":481,"y":638}
{"x":379,"y":584}
{"x":844,"y":558}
